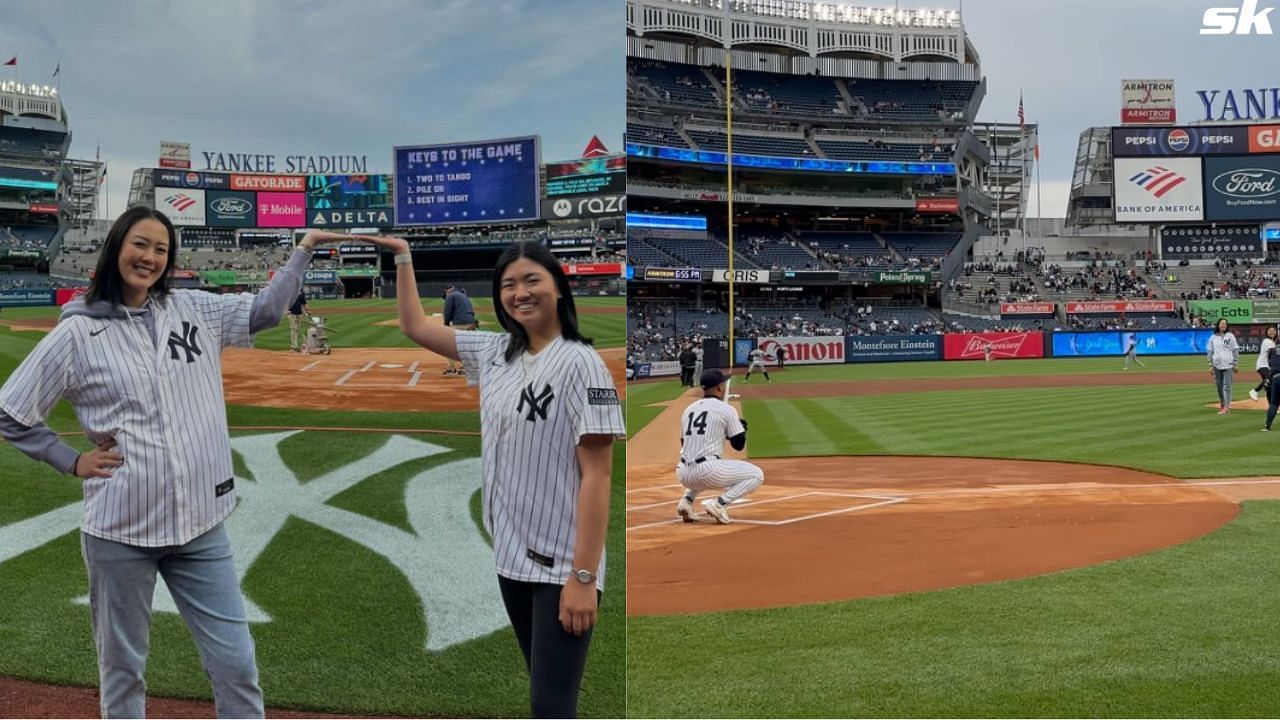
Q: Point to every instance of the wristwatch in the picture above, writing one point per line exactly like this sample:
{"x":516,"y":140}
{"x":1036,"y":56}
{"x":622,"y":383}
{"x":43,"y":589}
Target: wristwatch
{"x":586,"y":577}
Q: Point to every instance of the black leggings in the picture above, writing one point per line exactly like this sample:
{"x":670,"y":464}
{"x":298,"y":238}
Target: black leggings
{"x":555,"y":658}
{"x":1266,"y":378}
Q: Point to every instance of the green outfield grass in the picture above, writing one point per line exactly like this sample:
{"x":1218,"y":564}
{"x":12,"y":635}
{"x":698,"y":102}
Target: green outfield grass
{"x":347,"y":629}
{"x":353,"y":323}
{"x":1183,"y":632}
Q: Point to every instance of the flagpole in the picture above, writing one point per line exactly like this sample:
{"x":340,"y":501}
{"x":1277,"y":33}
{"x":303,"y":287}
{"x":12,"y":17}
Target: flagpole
{"x":1039,"y":203}
{"x":728,"y":127}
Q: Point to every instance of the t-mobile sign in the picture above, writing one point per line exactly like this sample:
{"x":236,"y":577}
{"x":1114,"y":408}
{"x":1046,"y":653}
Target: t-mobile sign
{"x":282,"y":210}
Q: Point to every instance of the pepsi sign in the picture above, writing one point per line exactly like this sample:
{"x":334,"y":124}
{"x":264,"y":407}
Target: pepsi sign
{"x":190,"y":179}
{"x":1142,"y":142}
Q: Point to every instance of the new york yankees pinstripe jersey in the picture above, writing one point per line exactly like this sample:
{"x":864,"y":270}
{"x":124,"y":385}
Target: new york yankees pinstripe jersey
{"x":160,"y":398}
{"x":704,"y":427}
{"x":533,"y":412}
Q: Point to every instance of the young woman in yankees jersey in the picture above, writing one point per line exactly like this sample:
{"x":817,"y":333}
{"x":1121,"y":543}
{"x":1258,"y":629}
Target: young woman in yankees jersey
{"x":139,"y":362}
{"x":549,"y":414}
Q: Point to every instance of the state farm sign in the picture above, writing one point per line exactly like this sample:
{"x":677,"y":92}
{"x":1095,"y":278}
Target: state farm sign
{"x":1026,"y":308}
{"x":972,"y":346}
{"x":806,"y":350}
{"x":1120,"y":306}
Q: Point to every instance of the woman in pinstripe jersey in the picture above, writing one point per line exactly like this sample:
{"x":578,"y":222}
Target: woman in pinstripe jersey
{"x":139,"y":363}
{"x":549,"y":414}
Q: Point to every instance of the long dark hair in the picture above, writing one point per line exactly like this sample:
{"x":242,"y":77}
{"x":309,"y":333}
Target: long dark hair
{"x":107,"y":285}
{"x":1217,"y":326}
{"x":566,"y":311}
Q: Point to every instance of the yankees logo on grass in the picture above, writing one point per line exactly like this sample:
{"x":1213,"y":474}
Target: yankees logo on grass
{"x":446,"y":562}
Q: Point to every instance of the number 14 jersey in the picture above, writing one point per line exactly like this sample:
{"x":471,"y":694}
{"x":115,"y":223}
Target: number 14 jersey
{"x":704,"y":427}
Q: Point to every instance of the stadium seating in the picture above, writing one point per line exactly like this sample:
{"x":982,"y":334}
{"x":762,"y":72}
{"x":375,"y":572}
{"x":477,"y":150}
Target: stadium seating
{"x":646,"y":134}
{"x":923,"y":244}
{"x":674,"y":82}
{"x":867,"y":150}
{"x":751,"y":144}
{"x":18,"y":173}
{"x":708,"y":253}
{"x":643,"y":254}
{"x":787,"y":94}
{"x":31,"y":143}
{"x":772,"y":249}
{"x":922,"y":100}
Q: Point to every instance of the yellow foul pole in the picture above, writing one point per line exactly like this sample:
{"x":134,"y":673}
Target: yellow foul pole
{"x":728,"y":128}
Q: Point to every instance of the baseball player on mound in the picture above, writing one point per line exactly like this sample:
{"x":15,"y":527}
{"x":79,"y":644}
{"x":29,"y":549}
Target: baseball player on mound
{"x":704,"y":427}
{"x":757,"y":363}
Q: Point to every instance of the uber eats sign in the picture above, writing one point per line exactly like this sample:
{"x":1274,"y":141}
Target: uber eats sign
{"x":1235,"y":311}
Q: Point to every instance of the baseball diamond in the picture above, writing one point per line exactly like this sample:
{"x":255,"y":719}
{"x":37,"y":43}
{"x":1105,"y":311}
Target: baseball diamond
{"x":1044,"y":520}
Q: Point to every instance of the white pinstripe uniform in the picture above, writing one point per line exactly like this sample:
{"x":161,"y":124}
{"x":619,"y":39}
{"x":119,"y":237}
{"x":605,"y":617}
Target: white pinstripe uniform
{"x":161,"y":402}
{"x":704,"y":427}
{"x":534,"y":411}
{"x":757,"y":361}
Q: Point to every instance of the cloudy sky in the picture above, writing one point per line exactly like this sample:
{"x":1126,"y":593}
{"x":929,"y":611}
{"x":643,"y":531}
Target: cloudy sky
{"x":321,"y":77}
{"x":1068,"y":57}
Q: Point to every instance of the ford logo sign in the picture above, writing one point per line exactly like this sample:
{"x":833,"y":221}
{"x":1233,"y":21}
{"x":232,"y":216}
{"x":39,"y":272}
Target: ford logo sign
{"x":1248,"y":183}
{"x":231,"y":206}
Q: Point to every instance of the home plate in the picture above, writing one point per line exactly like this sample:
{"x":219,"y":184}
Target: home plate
{"x":391,"y":366}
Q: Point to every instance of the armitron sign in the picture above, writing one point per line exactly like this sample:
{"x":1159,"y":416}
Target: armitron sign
{"x":806,"y":350}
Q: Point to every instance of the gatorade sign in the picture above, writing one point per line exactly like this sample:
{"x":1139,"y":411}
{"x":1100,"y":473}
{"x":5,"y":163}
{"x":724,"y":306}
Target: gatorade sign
{"x":1264,"y":139}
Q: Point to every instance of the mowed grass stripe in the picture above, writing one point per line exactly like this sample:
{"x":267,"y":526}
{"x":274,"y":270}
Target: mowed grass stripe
{"x":1123,"y":639}
{"x":1162,"y":428}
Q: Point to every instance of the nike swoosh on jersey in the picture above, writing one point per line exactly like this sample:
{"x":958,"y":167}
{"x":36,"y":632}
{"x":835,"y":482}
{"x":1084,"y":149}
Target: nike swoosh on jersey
{"x":99,"y":331}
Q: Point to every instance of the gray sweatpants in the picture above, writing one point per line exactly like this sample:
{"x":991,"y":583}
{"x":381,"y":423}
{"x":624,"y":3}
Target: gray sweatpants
{"x":1223,"y":379}
{"x":201,"y":576}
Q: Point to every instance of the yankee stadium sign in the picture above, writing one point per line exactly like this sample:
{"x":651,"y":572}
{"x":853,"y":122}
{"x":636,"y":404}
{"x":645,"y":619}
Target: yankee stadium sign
{"x":293,"y":164}
{"x":1261,"y":103}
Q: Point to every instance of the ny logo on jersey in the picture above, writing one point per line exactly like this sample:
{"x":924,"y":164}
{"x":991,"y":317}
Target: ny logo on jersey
{"x":537,"y":403}
{"x":186,"y":341}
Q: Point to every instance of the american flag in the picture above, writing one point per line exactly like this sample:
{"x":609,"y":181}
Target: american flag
{"x":1022,"y":116}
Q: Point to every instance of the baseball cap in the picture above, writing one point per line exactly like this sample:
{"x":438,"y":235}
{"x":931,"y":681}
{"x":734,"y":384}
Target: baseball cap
{"x":712,"y":378}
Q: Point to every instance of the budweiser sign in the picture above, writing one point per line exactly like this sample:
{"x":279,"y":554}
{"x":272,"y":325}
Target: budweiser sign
{"x":1120,"y":306}
{"x":805,"y":350}
{"x":594,"y":269}
{"x":973,"y":346}
{"x":43,"y":208}
{"x":1026,"y":308}
{"x":938,"y":205}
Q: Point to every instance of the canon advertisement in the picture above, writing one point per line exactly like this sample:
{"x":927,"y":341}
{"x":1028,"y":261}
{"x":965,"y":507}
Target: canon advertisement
{"x":1190,"y":141}
{"x":1244,"y":188}
{"x":1158,"y":190}
{"x":805,"y":350}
